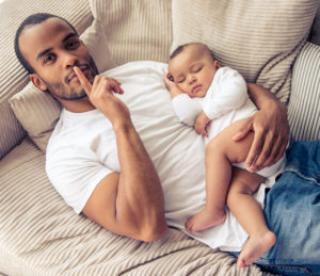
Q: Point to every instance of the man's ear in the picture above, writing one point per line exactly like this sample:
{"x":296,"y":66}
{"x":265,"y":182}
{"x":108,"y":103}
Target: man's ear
{"x":38,"y":82}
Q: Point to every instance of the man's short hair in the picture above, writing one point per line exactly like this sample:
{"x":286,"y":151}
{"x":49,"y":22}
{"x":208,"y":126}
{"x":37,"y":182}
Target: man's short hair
{"x":31,"y":20}
{"x":180,"y":48}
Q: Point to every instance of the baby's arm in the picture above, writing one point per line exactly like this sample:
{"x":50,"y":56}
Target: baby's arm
{"x":202,"y":123}
{"x":185,"y":108}
{"x":228,"y":93}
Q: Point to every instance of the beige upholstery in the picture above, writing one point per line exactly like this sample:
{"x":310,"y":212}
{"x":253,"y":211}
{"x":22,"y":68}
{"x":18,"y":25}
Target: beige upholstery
{"x":303,"y":109}
{"x":41,"y":235}
{"x":260,"y":39}
{"x":37,"y":112}
{"x":136,"y":30}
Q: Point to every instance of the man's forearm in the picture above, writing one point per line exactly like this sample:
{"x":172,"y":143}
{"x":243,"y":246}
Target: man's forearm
{"x":140,"y":197}
{"x":261,"y":96}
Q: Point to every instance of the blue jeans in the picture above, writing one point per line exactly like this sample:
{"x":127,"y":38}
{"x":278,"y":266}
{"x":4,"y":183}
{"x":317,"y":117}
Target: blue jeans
{"x":292,"y":211}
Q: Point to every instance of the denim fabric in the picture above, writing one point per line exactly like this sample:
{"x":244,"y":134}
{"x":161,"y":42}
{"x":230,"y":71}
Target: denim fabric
{"x":292,"y":211}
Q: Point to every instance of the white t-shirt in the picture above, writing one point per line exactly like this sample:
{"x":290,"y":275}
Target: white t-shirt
{"x":225,"y":102}
{"x":82,"y":151}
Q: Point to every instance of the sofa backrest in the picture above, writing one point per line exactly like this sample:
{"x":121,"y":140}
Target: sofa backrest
{"x":134,"y":30}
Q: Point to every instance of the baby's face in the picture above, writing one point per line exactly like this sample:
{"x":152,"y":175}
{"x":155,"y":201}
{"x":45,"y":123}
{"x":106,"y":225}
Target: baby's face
{"x":193,"y":70}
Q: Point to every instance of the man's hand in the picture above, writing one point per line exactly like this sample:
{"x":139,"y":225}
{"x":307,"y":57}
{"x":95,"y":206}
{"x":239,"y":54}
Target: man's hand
{"x":202,"y":123}
{"x":171,"y":86}
{"x":271,"y":135}
{"x":100,"y":94}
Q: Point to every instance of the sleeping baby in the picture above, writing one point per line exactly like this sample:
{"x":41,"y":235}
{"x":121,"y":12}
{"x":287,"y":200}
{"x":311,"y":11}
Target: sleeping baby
{"x":212,"y":98}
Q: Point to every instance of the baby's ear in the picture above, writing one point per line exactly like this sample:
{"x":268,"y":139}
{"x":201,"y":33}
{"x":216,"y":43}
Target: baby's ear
{"x":170,"y":77}
{"x":216,"y":64}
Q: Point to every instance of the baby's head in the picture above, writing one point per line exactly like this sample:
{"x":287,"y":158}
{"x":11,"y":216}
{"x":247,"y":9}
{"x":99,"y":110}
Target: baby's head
{"x":192,"y":68}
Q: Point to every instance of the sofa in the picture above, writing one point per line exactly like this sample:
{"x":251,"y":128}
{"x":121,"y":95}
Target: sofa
{"x":274,"y":43}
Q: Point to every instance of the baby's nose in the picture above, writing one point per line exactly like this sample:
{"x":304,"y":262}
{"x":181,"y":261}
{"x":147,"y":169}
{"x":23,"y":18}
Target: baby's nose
{"x":192,"y":79}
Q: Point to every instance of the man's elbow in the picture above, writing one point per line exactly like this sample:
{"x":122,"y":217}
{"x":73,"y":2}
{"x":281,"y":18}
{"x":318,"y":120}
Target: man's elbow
{"x":154,"y":233}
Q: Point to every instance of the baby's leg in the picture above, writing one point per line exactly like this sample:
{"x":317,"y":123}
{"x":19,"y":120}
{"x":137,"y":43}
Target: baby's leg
{"x":249,"y":214}
{"x":218,"y":176}
{"x":221,"y":152}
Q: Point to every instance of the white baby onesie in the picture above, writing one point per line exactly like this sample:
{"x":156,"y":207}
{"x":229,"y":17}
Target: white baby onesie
{"x":225,"y":102}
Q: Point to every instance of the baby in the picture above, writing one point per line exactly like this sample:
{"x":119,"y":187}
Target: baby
{"x":206,"y":94}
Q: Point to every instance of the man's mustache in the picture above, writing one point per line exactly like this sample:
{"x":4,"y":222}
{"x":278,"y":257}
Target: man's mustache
{"x":70,"y":75}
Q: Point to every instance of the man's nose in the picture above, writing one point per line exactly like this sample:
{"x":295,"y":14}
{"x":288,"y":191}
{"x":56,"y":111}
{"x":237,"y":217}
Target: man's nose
{"x":70,"y":59}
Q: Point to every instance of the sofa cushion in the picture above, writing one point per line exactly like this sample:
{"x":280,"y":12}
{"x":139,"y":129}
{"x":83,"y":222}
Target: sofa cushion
{"x":304,"y":103}
{"x":136,"y":30}
{"x":12,"y":75}
{"x":37,"y":112}
{"x":260,"y":39}
{"x":315,"y":32}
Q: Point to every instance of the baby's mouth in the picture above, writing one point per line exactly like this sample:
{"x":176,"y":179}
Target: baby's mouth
{"x":196,"y":88}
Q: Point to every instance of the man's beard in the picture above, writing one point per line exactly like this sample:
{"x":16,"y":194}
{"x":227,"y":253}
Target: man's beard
{"x":58,"y":90}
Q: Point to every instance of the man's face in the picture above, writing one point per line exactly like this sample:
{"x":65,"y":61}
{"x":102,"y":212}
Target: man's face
{"x":193,"y":70}
{"x":52,"y":48}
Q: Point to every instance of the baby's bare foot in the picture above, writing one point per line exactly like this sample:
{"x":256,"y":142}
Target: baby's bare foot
{"x":204,"y":220}
{"x":255,"y":247}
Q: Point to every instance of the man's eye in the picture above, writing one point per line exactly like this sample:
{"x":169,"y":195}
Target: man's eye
{"x":73,"y":44}
{"x":48,"y":58}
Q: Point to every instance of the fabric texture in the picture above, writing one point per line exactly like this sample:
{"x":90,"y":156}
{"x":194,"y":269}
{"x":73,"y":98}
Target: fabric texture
{"x":135,"y":30}
{"x":12,"y":76}
{"x":294,"y":200}
{"x":41,"y":235}
{"x":37,"y":112}
{"x":260,"y":40}
{"x":315,"y":32}
{"x":303,"y":108}
{"x":81,"y":152}
{"x":227,"y":92}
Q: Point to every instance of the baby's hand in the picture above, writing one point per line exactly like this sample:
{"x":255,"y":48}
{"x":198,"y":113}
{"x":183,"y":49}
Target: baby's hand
{"x":171,"y":86}
{"x":202,"y":123}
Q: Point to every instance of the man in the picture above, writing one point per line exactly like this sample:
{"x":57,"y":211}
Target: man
{"x":104,"y":169}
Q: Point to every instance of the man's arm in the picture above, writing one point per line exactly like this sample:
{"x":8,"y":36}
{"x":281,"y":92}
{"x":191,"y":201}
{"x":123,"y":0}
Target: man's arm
{"x":130,"y":203}
{"x":270,"y":126}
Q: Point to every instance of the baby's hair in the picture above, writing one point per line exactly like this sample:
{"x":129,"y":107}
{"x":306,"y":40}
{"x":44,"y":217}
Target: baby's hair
{"x":180,"y":48}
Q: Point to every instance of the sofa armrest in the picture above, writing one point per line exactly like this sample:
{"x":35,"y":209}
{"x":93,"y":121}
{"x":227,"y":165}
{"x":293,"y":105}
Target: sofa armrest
{"x":304,"y":103}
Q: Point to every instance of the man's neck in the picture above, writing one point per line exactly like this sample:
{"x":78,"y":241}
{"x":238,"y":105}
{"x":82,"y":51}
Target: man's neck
{"x":77,"y":106}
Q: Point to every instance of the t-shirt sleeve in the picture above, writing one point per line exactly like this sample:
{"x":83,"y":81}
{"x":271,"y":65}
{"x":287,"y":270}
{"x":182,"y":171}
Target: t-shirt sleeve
{"x":186,"y":108}
{"x":75,"y":173}
{"x":228,"y":92}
